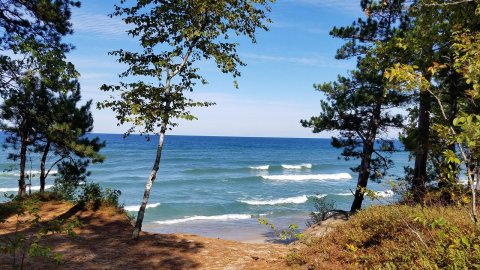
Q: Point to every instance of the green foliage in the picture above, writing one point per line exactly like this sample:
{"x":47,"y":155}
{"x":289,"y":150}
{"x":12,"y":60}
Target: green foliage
{"x":94,"y":193}
{"x":71,"y":175}
{"x":185,"y":32}
{"x":33,"y":30}
{"x":71,"y":185}
{"x":42,"y":19}
{"x":359,"y":107}
{"x":323,"y":209}
{"x":289,"y":234}
{"x":447,"y":76}
{"x":175,"y":36}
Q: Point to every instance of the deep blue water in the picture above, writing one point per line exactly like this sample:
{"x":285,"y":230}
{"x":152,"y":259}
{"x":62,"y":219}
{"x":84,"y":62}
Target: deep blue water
{"x":205,"y":180}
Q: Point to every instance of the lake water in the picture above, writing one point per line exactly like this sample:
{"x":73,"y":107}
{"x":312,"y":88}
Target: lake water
{"x":219,"y":186}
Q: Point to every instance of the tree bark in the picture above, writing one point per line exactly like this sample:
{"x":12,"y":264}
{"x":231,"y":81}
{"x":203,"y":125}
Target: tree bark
{"x":22,"y":188}
{"x":421,"y":153}
{"x":368,"y":147}
{"x":148,"y":186}
{"x":43,"y":176}
{"x":363,"y":175}
{"x":156,"y":164}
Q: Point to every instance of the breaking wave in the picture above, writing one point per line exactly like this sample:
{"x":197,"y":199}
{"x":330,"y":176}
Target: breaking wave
{"x":304,"y":177}
{"x":27,"y":173}
{"x":297,"y":167}
{"x":134,"y":208}
{"x":290,"y":200}
{"x":194,"y":218}
{"x":263,"y":167}
{"x":383,"y":194}
{"x":33,"y":188}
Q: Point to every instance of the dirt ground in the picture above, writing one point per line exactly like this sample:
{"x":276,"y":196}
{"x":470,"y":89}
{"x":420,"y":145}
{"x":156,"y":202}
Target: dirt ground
{"x":104,"y":242}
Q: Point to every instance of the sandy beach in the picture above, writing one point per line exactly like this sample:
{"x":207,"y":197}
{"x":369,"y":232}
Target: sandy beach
{"x":104,"y":242}
{"x":245,"y":231}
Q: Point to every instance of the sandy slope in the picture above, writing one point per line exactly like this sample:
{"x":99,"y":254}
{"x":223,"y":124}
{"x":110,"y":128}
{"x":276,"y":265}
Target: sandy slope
{"x":103,"y":242}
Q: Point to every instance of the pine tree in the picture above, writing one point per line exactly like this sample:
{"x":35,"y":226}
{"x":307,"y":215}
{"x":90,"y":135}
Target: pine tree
{"x":359,"y":106}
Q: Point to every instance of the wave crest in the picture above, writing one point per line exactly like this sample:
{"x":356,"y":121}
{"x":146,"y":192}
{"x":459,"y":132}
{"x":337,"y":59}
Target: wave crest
{"x":304,"y":177}
{"x":263,"y":167}
{"x":292,"y":200}
{"x":297,"y":167}
{"x":289,"y":200}
{"x":33,"y":188}
{"x":134,"y":208}
{"x":383,"y":194}
{"x":27,"y":173}
{"x":194,"y":218}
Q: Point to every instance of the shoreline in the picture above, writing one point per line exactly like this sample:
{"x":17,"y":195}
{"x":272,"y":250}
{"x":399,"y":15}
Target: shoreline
{"x":243,"y":231}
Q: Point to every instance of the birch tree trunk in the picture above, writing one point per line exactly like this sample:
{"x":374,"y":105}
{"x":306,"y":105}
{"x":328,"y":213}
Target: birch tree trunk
{"x":148,"y":186}
{"x":156,"y":166}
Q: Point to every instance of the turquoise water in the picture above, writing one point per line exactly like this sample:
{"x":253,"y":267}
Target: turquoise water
{"x":222,"y":181}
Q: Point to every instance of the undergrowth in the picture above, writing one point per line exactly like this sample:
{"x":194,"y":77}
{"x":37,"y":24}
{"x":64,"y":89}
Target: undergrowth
{"x":396,"y":237}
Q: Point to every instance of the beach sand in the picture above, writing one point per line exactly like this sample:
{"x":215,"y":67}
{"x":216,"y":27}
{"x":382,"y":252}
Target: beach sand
{"x":245,"y":231}
{"x":104,"y":242}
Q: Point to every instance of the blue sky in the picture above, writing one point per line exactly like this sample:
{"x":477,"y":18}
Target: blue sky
{"x":276,"y":85}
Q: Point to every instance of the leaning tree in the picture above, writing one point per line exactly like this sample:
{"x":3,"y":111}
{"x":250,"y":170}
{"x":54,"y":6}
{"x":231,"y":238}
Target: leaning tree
{"x":175,"y":36}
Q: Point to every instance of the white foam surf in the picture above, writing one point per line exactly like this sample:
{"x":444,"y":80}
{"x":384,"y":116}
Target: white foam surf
{"x":205,"y":218}
{"x":290,"y":200}
{"x":305,"y":177}
{"x":344,"y":194}
{"x":34,"y":173}
{"x":297,"y":167}
{"x":263,"y":167}
{"x":33,"y":188}
{"x":385,"y":193}
{"x":134,"y":208}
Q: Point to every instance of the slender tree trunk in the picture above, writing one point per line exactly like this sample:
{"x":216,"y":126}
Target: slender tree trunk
{"x":156,"y":164}
{"x":43,"y":175}
{"x":148,"y":186}
{"x":368,"y":147}
{"x":22,"y":188}
{"x":453,"y":91}
{"x":421,"y":153}
{"x":363,"y":175}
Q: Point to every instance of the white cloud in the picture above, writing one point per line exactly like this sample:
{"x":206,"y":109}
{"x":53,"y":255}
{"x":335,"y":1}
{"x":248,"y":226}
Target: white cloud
{"x":348,"y":6}
{"x":99,"y":25}
{"x":314,"y":61}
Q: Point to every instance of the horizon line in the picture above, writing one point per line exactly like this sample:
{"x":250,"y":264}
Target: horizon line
{"x":224,"y":136}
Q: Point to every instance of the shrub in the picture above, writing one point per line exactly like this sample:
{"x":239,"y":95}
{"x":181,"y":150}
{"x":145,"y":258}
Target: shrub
{"x":94,"y":193}
{"x":323,"y":210}
{"x":71,"y":185}
{"x":21,"y":245}
{"x":72,"y":174}
{"x":288,"y":235}
{"x":397,"y":237}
